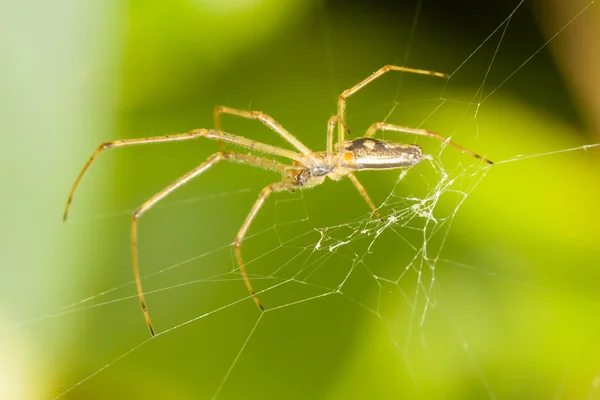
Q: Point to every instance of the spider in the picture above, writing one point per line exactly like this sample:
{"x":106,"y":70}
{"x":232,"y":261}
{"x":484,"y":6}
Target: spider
{"x":307,"y":168}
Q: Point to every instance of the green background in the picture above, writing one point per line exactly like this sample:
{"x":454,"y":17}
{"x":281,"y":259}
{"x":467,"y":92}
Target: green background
{"x":513,"y":312}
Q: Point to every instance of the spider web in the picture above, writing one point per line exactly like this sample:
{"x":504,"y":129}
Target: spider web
{"x":312,"y":259}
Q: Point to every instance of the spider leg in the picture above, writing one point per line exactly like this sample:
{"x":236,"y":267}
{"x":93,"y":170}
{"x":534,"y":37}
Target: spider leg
{"x":252,"y":144}
{"x":274,"y":187}
{"x":330,"y":128}
{"x":121,"y":143}
{"x":209,"y":134}
{"x":265,"y":119}
{"x":421,"y":132}
{"x":212,"y":160}
{"x":349,"y":92}
{"x":364,"y":194}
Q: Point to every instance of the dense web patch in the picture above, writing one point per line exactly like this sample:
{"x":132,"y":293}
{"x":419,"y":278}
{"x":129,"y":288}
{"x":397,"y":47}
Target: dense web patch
{"x":302,"y":257}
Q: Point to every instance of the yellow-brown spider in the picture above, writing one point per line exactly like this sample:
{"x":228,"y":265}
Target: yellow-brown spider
{"x":308,"y":168}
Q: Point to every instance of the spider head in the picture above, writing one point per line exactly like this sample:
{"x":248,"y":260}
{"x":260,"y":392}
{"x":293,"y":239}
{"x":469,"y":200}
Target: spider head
{"x":369,"y":153}
{"x":310,"y":175}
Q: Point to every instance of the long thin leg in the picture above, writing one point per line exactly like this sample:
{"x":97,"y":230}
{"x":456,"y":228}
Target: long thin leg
{"x":252,"y":144}
{"x":209,"y":134}
{"x":364,"y":194}
{"x":420,"y":132}
{"x":330,"y":128}
{"x":265,"y":119}
{"x":212,"y":160}
{"x":349,"y":92}
{"x":274,"y":187}
{"x":217,"y":119}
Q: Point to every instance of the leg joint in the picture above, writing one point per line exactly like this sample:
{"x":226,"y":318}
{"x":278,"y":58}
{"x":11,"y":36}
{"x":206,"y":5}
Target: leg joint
{"x":262,"y":117}
{"x":198,"y":132}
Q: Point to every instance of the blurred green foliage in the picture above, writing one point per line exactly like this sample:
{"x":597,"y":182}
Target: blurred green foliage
{"x":513,"y":310}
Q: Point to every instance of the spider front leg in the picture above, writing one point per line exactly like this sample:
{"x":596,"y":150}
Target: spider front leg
{"x":274,"y":187}
{"x":421,"y":132}
{"x":196,"y":133}
{"x":342,"y":127}
{"x":123,"y":143}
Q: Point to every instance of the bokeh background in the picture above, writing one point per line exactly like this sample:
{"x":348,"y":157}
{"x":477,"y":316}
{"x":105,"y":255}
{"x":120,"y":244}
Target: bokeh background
{"x":513,"y":312}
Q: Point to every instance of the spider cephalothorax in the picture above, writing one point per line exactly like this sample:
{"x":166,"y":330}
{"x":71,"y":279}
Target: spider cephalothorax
{"x":313,"y":171}
{"x":308,"y":168}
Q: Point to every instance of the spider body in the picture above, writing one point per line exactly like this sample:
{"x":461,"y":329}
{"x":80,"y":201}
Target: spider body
{"x":363,"y":153}
{"x":307,"y":169}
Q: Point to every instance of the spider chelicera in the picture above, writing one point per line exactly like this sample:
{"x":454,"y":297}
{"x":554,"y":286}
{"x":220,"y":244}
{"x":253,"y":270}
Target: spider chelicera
{"x":307,"y":169}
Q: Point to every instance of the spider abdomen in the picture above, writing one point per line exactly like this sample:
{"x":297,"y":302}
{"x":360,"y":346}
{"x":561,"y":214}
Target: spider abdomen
{"x":369,"y":153}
